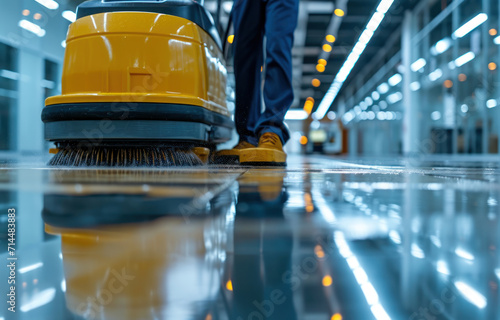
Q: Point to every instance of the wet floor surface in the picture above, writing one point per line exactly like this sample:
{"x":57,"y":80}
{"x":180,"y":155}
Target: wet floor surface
{"x":322,"y":239}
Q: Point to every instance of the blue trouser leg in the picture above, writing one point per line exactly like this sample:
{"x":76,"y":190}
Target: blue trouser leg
{"x":248,"y":20}
{"x":281,"y":21}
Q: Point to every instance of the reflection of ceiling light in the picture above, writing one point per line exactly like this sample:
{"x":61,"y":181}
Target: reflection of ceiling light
{"x":417,"y":252}
{"x":496,"y":40}
{"x":63,"y":43}
{"x":464,"y":108}
{"x":31,"y":267}
{"x":471,"y":295}
{"x":464,"y":254}
{"x":442,"y":267}
{"x":39,"y":299}
{"x":470,"y":25}
{"x":375,"y":95}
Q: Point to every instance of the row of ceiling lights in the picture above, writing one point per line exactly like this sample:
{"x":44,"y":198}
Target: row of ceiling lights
{"x":439,"y":48}
{"x":321,"y":66}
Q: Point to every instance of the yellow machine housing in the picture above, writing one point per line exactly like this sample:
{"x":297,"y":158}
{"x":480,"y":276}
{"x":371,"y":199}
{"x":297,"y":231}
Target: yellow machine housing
{"x":141,"y":75}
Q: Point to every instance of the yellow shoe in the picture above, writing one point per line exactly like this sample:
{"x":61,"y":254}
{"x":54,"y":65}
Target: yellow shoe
{"x":269,"y":152}
{"x":232,"y":156}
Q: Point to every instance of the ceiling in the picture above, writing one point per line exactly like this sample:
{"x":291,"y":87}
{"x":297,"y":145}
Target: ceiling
{"x":315,"y":16}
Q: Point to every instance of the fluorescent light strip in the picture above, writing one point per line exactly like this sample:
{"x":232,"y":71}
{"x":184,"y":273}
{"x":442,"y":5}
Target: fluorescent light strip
{"x":353,"y":57}
{"x":395,"y":80}
{"x":491,"y":103}
{"x":463,"y":59}
{"x":470,"y":25}
{"x":296,"y":115}
{"x":69,"y":15}
{"x":417,"y":65}
{"x":49,"y":4}
{"x":31,"y":27}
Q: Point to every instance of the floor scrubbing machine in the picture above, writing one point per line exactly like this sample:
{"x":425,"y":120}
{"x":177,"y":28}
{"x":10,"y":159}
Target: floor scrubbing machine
{"x":143,"y":83}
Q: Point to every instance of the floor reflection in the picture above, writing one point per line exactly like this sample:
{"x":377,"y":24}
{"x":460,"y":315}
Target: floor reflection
{"x":317,"y":240}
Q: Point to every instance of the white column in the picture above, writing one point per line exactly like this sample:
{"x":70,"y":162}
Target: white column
{"x":30,"y":103}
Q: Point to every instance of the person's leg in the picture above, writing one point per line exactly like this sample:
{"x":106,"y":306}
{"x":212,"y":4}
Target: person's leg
{"x":281,"y":21}
{"x":248,"y":20}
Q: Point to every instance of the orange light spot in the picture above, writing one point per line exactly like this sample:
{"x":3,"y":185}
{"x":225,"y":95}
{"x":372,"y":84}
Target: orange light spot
{"x":320,"y":68}
{"x":229,"y":285}
{"x":261,"y":68}
{"x":310,"y":99}
{"x":327,"y":281}
{"x":307,"y":197}
{"x":448,"y":84}
{"x":230,"y":38}
{"x":322,"y":62}
{"x":308,"y":106}
{"x":339,"y":12}
{"x":318,"y":251}
{"x":492,"y":66}
{"x":493,"y":32}
{"x":336,"y":316}
{"x":24,"y":284}
{"x":330,"y":38}
{"x":35,"y":281}
{"x":303,"y":140}
{"x":462,"y":77}
{"x":37,"y":16}
{"x":316,"y":83}
{"x":208,"y":317}
{"x":327,"y":47}
{"x":309,"y":208}
{"x":26,"y":12}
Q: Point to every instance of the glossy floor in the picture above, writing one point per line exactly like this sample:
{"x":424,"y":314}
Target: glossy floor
{"x":322,"y":239}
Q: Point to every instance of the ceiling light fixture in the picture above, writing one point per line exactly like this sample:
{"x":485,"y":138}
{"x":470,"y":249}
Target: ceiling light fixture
{"x":470,"y":25}
{"x":353,"y":57}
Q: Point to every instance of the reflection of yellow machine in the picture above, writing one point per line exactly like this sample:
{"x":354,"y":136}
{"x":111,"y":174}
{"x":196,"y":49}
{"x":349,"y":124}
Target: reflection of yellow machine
{"x":139,"y":73}
{"x":140,"y":272}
